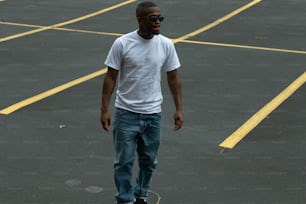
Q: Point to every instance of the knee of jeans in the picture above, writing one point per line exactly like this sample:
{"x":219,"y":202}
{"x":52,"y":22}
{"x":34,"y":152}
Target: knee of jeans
{"x":123,"y":164}
{"x":148,"y":164}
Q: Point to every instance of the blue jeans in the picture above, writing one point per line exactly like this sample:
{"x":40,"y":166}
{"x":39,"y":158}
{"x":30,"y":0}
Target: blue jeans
{"x":135,"y":132}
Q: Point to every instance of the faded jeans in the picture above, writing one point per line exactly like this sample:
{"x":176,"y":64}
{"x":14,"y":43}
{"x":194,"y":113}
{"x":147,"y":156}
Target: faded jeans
{"x":134,"y":132}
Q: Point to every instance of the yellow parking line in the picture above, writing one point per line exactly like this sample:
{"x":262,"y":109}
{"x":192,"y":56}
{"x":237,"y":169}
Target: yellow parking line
{"x":89,"y":32}
{"x":38,"y":97}
{"x":19,"y":35}
{"x":183,"y":41}
{"x":217,"y":22}
{"x":53,"y":91}
{"x":244,"y":46}
{"x":60,"y":88}
{"x":20,"y":24}
{"x":250,"y":124}
{"x":93,"y":14}
{"x":62,"y":29}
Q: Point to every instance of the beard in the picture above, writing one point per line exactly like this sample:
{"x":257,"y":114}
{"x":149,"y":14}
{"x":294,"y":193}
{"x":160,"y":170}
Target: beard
{"x":149,"y":32}
{"x":155,"y":31}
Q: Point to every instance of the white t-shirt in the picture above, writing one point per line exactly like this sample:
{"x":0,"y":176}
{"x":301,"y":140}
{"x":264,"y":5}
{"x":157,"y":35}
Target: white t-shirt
{"x":140,"y":62}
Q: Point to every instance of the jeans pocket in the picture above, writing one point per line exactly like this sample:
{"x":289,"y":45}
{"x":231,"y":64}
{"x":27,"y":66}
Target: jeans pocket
{"x":123,"y":117}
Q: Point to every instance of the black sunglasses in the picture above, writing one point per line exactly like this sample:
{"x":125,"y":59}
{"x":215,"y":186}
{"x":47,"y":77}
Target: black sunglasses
{"x":155,"y":18}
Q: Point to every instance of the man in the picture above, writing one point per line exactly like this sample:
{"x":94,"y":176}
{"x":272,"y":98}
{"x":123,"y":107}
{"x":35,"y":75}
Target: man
{"x":135,"y":60}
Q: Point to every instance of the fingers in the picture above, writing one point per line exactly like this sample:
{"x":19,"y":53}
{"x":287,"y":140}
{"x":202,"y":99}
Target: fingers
{"x":178,"y":124}
{"x":105,"y":121}
{"x":106,"y":126}
{"x":178,"y":121}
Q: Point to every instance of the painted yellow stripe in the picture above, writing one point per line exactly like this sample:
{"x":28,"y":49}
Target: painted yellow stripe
{"x":183,"y":41}
{"x":217,"y":22}
{"x":93,"y":14}
{"x":75,"y":82}
{"x":51,"y":92}
{"x":20,"y":24}
{"x":250,"y":124}
{"x":19,"y":35}
{"x":62,"y":29}
{"x":245,"y":47}
{"x":89,"y":32}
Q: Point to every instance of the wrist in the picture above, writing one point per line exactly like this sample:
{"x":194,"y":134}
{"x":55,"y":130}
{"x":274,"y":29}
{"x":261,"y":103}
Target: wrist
{"x":103,"y":109}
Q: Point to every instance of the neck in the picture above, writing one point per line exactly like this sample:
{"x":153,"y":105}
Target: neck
{"x":145,"y":35}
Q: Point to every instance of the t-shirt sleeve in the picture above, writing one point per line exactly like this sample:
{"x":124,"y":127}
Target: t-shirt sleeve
{"x":172,"y":61}
{"x":114,"y":57}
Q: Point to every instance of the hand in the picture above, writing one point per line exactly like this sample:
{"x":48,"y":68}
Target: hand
{"x":178,"y":120}
{"x":105,"y":120}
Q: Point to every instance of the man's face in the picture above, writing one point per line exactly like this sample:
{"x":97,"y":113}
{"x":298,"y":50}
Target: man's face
{"x":150,"y":21}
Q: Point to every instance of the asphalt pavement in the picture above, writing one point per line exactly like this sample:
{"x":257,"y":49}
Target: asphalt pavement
{"x":241,"y":56}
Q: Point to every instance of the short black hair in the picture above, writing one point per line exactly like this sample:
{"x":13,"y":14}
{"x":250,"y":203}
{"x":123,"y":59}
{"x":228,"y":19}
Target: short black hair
{"x":144,"y":6}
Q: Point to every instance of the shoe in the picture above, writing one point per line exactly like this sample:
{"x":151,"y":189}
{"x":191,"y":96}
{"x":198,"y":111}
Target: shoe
{"x":140,"y":201}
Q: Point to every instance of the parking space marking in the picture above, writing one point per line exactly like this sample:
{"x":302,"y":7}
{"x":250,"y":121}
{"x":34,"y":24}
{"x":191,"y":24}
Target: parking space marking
{"x":231,"y":141}
{"x":182,"y":41}
{"x":19,"y":35}
{"x":183,"y":38}
{"x":245,"y":46}
{"x":218,"y":21}
{"x":20,"y":24}
{"x":62,"y":29}
{"x":60,"y":88}
{"x":51,"y":92}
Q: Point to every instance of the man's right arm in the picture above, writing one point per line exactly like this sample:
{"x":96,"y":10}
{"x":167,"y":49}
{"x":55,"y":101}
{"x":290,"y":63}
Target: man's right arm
{"x":107,"y":91}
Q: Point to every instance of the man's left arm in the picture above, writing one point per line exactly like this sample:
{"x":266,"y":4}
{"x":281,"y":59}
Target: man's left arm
{"x":174,"y":84}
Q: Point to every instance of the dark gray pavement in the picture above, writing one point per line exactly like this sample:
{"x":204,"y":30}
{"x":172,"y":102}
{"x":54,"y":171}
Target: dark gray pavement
{"x":54,"y":151}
